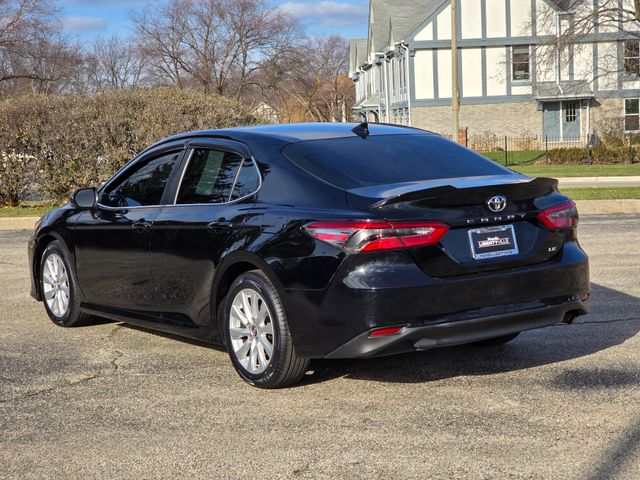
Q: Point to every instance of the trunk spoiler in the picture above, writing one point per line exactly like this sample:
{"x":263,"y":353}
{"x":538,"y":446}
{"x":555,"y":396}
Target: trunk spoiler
{"x":452,"y":191}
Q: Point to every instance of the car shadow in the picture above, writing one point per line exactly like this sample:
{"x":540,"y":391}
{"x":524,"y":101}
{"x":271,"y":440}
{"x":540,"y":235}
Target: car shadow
{"x":614,"y":318}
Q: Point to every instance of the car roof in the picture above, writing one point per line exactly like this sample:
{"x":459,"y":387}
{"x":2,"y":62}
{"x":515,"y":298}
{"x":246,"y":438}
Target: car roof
{"x":296,"y":132}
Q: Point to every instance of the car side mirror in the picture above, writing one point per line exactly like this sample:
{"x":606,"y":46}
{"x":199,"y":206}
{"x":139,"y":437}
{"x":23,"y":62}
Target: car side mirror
{"x":84,"y":198}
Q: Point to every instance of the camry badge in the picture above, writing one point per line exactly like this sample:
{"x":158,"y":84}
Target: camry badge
{"x":497,"y":203}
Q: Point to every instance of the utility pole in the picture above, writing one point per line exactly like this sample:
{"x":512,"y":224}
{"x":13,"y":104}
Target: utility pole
{"x":455,"y":92}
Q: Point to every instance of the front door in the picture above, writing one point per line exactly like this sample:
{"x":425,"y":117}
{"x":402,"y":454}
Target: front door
{"x":561,"y":121}
{"x":190,"y":237}
{"x":112,"y":241}
{"x":571,"y":121}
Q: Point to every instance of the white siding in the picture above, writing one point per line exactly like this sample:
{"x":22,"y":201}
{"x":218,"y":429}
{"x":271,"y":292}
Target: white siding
{"x":496,"y":19}
{"x":607,"y":66}
{"x":470,"y":18}
{"x":583,"y":62}
{"x":471,"y":59}
{"x":546,"y":64}
{"x":444,"y":73}
{"x":546,"y":19}
{"x":496,"y":79}
{"x":426,"y":34}
{"x":627,"y":17}
{"x":520,"y":18}
{"x":521,"y":89}
{"x":444,"y":24}
{"x":423,"y":67}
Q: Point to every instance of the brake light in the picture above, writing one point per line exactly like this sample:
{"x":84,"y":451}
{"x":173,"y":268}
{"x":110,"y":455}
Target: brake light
{"x":561,"y":216}
{"x":374,"y":235}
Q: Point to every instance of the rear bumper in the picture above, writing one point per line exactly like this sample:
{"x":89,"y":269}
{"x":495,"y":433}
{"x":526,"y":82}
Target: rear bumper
{"x":456,"y":333}
{"x":390,"y":290}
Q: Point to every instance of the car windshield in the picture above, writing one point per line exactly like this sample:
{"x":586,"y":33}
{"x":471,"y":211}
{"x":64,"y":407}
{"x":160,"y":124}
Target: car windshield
{"x":354,"y":162}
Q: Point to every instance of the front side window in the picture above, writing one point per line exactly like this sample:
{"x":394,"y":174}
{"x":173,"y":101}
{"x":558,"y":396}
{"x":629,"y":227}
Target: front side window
{"x":520,"y":63}
{"x":632,"y":57}
{"x":144,"y":185}
{"x":215,"y":176}
{"x":631,"y":115}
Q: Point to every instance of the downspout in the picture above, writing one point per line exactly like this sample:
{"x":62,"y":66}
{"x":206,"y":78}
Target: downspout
{"x":405,"y":47}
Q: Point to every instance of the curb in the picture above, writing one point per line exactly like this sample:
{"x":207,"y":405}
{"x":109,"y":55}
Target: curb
{"x":601,"y":207}
{"x":585,"y":207}
{"x":18,"y":223}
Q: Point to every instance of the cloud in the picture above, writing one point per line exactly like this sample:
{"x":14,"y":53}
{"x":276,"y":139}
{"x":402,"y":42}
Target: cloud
{"x":327,"y":13}
{"x":77,"y":24}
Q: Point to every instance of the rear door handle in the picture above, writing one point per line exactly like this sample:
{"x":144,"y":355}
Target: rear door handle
{"x":141,"y":225}
{"x":218,"y":226}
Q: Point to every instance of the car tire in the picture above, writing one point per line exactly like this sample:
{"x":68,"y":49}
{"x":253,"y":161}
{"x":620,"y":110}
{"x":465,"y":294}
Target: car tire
{"x":495,"y":341}
{"x":257,"y":333}
{"x":59,"y":288}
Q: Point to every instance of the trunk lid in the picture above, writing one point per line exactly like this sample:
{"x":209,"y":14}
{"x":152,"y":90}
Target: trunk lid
{"x":462,"y":203}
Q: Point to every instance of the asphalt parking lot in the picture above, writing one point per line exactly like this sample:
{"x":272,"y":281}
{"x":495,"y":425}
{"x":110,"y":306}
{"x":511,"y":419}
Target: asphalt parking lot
{"x":111,"y":401}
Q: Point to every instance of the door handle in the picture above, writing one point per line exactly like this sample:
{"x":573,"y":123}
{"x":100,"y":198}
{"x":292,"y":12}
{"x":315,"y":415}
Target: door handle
{"x":218,"y":226}
{"x":141,"y":225}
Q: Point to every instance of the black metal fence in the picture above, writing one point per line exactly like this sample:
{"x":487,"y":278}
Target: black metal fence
{"x":522,"y":150}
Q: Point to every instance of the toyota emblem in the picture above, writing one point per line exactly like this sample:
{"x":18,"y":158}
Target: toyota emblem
{"x":497,"y":203}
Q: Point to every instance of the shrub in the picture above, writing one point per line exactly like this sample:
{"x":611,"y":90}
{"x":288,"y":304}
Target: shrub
{"x":19,"y":175}
{"x":567,"y":156}
{"x":80,"y":140}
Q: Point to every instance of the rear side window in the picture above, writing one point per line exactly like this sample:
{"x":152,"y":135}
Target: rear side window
{"x":210,"y":177}
{"x":143,"y":185}
{"x":355,"y":162}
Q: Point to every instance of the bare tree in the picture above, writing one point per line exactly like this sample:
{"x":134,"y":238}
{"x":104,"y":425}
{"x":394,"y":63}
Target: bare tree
{"x":218,"y":44}
{"x":26,"y":38}
{"x":311,"y":82}
{"x":114,"y":64}
{"x":577,"y":24}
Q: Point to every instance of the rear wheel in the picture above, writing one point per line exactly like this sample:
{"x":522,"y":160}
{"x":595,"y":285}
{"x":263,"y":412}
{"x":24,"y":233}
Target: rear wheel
{"x":257,"y":334}
{"x":59,"y":288}
{"x":491,"y":342}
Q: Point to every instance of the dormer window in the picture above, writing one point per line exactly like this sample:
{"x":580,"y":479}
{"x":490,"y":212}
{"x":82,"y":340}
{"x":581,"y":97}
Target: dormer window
{"x":632,"y":57}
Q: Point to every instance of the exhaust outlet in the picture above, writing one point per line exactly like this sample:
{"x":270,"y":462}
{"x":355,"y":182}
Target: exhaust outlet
{"x":569,"y":317}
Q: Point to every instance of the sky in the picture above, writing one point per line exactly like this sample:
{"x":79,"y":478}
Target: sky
{"x":90,"y":19}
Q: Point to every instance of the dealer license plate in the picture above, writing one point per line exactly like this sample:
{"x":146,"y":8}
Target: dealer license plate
{"x":492,"y":242}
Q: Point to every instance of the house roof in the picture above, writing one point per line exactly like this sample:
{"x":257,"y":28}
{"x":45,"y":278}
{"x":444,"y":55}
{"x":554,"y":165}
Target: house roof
{"x":569,"y":89}
{"x":357,"y":53}
{"x":391,"y":20}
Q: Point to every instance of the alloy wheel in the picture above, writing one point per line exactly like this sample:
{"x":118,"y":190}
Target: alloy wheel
{"x":55,"y":283}
{"x":251,"y":331}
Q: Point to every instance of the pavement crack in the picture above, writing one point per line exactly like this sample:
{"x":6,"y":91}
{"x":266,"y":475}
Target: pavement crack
{"x":100,"y":373}
{"x":614,"y":320}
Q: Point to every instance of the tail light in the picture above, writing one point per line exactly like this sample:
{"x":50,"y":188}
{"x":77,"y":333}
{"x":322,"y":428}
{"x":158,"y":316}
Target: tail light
{"x":561,"y":216}
{"x":374,"y":235}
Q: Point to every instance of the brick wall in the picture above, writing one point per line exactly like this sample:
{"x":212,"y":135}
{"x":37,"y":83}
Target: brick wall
{"x":499,"y":118}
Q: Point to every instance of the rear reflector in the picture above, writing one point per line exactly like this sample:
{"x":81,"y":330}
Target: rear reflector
{"x":382,"y":332}
{"x":561,"y":216}
{"x":374,"y":235}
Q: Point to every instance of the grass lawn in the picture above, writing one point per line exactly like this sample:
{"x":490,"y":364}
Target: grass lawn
{"x":523,"y":157}
{"x":29,"y":210}
{"x":578,"y":170}
{"x":604,"y":193}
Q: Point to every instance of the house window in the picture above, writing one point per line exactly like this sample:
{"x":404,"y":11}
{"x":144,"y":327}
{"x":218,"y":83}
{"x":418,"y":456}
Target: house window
{"x":631,"y":116}
{"x":632,"y":57}
{"x":520,"y":67}
{"x":570,"y":113}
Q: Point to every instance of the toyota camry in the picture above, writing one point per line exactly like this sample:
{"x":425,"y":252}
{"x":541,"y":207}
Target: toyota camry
{"x":287,"y":243}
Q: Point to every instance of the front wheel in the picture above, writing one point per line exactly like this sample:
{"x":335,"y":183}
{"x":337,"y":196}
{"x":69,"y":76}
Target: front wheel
{"x":59,"y":288}
{"x":257,"y":334}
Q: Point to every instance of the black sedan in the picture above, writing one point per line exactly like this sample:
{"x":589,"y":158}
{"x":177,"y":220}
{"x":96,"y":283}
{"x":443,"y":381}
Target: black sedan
{"x":292,"y":242}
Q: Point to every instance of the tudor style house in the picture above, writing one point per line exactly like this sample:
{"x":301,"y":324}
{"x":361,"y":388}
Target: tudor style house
{"x":512,"y":81}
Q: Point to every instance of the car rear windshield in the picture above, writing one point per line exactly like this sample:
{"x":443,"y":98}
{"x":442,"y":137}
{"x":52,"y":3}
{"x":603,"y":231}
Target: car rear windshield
{"x":354,"y":162}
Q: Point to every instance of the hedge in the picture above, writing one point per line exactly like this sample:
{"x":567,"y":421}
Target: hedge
{"x":79,"y":140}
{"x":600,"y":154}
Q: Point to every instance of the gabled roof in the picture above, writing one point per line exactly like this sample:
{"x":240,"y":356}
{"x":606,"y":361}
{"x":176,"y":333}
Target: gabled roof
{"x":391,"y":20}
{"x":357,"y":53}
